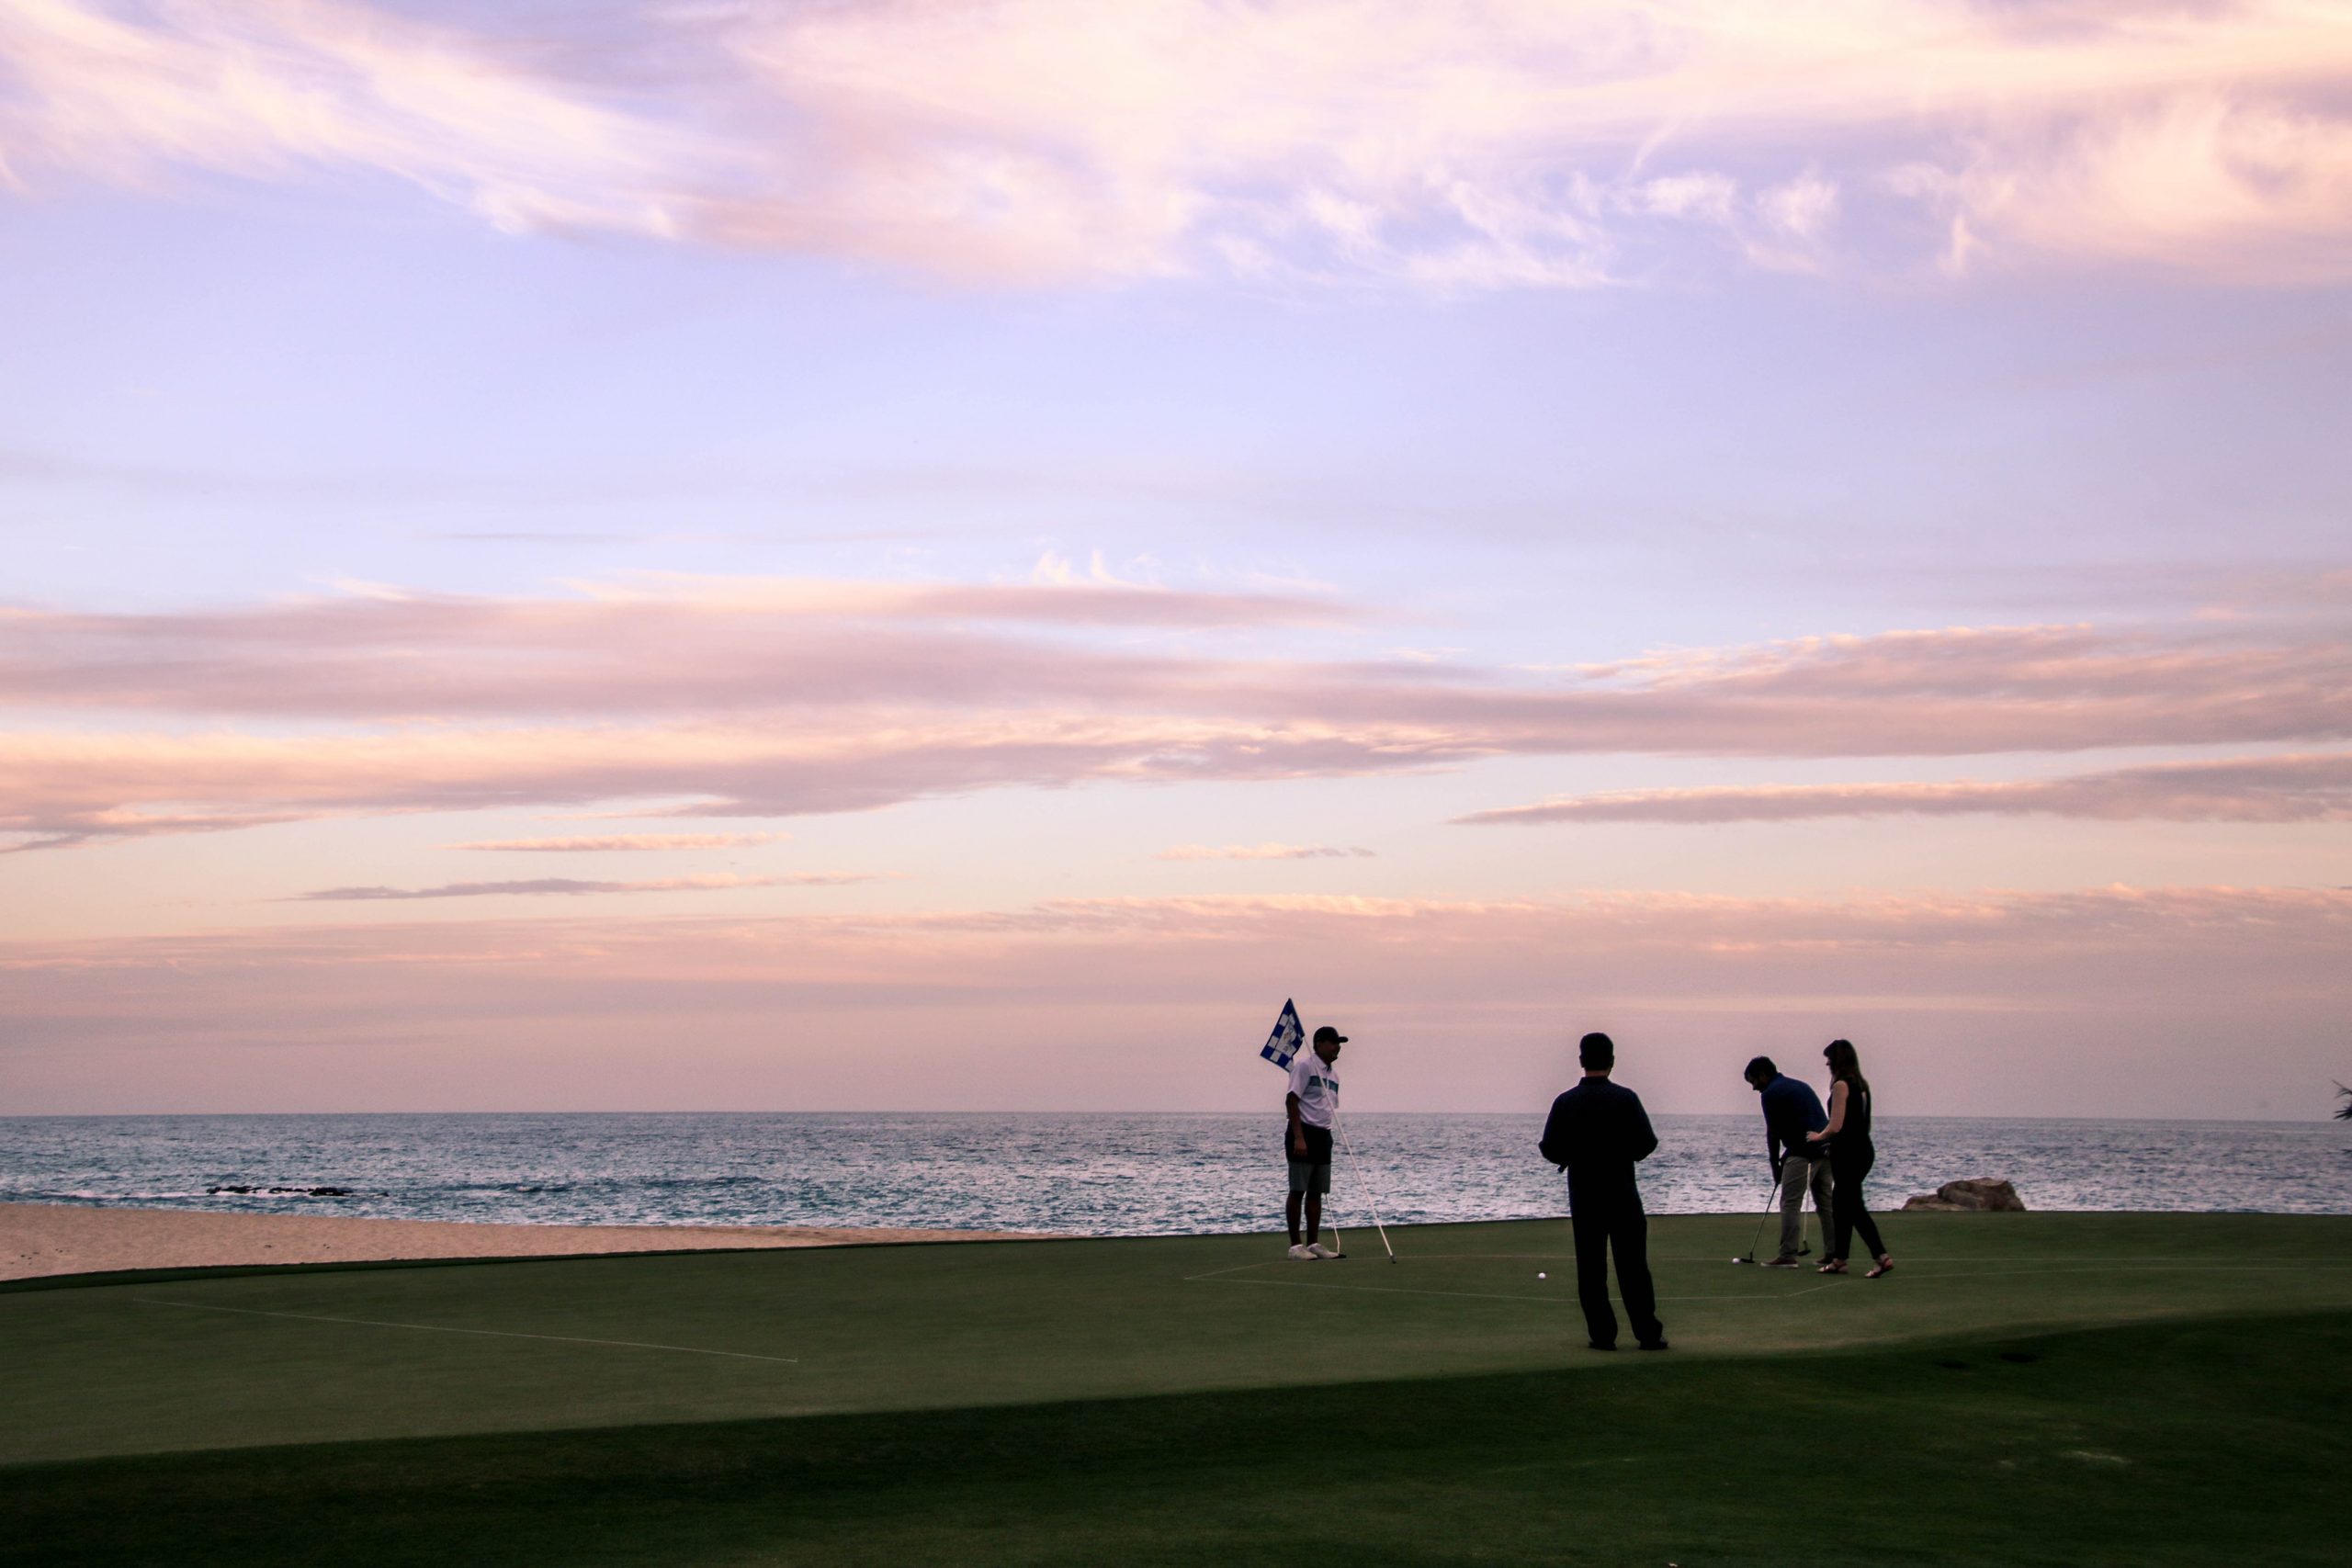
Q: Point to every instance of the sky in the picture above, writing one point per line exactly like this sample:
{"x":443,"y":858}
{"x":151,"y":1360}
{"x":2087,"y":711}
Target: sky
{"x":857,"y":554}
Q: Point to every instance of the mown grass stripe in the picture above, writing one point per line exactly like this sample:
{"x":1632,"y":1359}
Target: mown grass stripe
{"x":489,"y":1332}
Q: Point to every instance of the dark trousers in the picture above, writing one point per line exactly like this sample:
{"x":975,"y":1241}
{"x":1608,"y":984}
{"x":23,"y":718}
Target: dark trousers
{"x":1846,"y":1173}
{"x":1623,"y":1228}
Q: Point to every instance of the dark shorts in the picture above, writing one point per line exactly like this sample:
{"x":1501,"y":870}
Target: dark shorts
{"x":1312,"y":1171}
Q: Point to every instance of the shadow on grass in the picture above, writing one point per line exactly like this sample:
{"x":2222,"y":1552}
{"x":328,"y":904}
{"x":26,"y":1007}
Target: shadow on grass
{"x":2190,"y":1443}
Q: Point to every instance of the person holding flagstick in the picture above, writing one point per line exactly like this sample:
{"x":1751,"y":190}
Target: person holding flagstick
{"x":1308,"y":1108}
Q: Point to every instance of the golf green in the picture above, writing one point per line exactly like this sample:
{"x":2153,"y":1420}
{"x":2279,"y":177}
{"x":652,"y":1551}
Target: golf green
{"x":2057,"y":1388}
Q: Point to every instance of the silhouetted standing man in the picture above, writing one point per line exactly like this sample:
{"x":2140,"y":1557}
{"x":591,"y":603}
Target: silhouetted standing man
{"x":1597,"y":1132}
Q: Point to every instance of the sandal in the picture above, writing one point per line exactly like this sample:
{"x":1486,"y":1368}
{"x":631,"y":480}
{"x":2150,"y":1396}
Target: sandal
{"x":1835,"y":1266}
{"x":1885,"y":1266}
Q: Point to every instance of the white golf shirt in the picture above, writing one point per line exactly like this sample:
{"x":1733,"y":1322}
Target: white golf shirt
{"x":1316,"y":1084}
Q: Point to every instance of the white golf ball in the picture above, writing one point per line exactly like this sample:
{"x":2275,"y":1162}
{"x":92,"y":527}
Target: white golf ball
{"x":1541,"y":1275}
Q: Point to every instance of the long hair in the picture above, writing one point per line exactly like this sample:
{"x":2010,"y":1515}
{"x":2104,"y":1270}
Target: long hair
{"x":1846,"y":1064}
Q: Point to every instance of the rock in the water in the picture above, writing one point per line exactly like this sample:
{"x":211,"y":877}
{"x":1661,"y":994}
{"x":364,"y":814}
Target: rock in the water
{"x":1977,"y":1194}
{"x":286,"y":1192}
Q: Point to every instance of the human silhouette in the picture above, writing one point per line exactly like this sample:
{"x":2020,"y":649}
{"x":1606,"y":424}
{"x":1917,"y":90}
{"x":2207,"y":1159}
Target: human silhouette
{"x":1852,"y":1155}
{"x":1790,"y":1112}
{"x":1310,"y":1106}
{"x":1597,"y":1132}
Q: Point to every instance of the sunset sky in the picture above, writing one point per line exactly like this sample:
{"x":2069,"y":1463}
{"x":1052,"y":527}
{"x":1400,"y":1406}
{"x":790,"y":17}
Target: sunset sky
{"x":869,"y":555}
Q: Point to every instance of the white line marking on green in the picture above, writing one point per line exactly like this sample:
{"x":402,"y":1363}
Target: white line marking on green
{"x":491,"y":1333}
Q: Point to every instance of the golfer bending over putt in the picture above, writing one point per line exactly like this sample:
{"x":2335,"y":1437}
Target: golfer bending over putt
{"x":1313,"y":1098}
{"x":1792,"y":1113}
{"x":1597,"y":1132}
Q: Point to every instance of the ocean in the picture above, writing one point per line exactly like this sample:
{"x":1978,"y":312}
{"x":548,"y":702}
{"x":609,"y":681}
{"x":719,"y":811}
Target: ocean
{"x":1079,"y":1173}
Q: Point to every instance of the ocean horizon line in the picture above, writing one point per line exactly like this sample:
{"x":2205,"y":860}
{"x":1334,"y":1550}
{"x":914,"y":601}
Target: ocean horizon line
{"x":2319,"y":1119}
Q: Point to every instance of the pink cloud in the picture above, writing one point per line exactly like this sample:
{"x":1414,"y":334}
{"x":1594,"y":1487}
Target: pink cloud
{"x":1325,"y":142}
{"x":2205,"y":180}
{"x":950,"y":950}
{"x":697,"y":647}
{"x":2238,"y":789}
{"x":624,"y":842}
{"x":1058,"y":594}
{"x":749,"y":708}
{"x":566,"y":887}
{"x":1262,"y":851}
{"x":74,"y":827}
{"x":2110,"y":1000}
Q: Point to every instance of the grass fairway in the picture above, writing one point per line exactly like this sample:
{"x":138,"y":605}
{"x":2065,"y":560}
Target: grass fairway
{"x":2041,"y":1388}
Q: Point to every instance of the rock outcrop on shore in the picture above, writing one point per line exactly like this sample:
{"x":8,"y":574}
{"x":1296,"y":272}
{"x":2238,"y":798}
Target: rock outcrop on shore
{"x":1978,"y":1193}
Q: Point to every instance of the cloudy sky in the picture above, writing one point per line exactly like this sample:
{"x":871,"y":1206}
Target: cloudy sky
{"x":858,"y":554}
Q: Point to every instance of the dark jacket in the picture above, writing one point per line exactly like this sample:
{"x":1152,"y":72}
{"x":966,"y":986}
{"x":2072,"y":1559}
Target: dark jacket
{"x":1790,"y":1111}
{"x":1596,"y":1133}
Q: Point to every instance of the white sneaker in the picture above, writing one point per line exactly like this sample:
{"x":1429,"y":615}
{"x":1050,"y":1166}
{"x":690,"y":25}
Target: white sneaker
{"x":1319,"y":1250}
{"x":1304,"y":1253}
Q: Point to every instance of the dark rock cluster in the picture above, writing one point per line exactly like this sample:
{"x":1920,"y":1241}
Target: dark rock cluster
{"x":1980,"y":1193}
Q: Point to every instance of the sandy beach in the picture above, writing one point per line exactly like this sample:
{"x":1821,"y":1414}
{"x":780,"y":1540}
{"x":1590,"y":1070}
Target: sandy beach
{"x":38,"y":1240}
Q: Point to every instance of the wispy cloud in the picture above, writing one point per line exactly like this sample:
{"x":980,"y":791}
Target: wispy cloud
{"x":624,"y":842}
{"x":2098,"y":1001}
{"x":572,"y":888}
{"x":2238,"y":789}
{"x":947,"y":948}
{"x":288,"y":91}
{"x":1262,"y":851}
{"x":1493,"y":145}
{"x":720,"y":707}
{"x":105,"y":826}
{"x":1058,"y":593}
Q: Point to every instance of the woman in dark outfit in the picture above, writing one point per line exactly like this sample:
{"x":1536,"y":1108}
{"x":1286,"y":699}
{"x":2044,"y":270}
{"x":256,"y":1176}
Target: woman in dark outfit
{"x":1852,"y":1155}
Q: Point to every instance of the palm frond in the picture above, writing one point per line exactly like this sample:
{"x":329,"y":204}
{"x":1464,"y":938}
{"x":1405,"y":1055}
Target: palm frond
{"x":2343,"y":1111}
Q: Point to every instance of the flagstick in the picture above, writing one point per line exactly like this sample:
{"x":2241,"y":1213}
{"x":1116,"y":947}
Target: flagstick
{"x":1349,"y":1143}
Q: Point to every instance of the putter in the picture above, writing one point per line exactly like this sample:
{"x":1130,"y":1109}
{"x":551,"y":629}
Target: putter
{"x":1757,"y":1239}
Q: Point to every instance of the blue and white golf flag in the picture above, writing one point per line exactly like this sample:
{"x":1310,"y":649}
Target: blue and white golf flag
{"x":1284,"y":1042}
